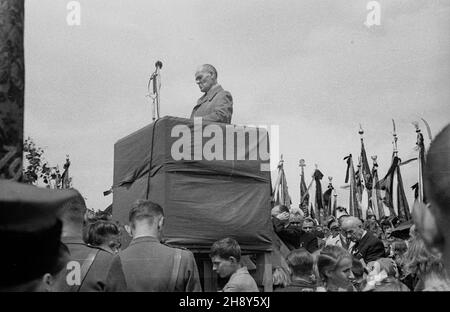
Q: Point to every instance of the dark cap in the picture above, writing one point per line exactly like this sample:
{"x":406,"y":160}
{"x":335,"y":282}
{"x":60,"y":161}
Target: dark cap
{"x":30,"y":231}
{"x":27,"y":207}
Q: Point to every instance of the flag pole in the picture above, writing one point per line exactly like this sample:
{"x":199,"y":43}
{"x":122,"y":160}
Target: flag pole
{"x":420,"y":157}
{"x":307,"y":190}
{"x":301,"y":164}
{"x":334,"y":202}
{"x":329,"y":209}
{"x":394,"y":134}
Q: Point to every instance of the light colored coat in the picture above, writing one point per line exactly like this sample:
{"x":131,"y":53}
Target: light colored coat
{"x":216,"y":105}
{"x":241,"y":281}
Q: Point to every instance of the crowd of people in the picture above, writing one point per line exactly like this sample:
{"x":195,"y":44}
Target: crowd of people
{"x":73,"y":252}
{"x":350,"y":254}
{"x":53,"y":246}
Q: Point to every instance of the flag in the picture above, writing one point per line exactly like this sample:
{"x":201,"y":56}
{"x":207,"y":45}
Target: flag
{"x":402,"y":203}
{"x":328,"y":201}
{"x":395,"y":198}
{"x":367,"y":176}
{"x":365,"y":167}
{"x":421,"y":148}
{"x":377,"y":202}
{"x":66,"y":180}
{"x":108,"y":192}
{"x":334,"y":204}
{"x":312,"y":213}
{"x":360,"y":188}
{"x":280,"y":195}
{"x":354,"y":207}
{"x":386,"y":184}
{"x":304,"y":194}
{"x":415,"y":188}
{"x":318,"y":200}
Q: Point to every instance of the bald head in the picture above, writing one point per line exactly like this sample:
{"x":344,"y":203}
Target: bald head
{"x":351,"y":222}
{"x":208,"y":69}
{"x":353,"y":228}
{"x":437,"y":172}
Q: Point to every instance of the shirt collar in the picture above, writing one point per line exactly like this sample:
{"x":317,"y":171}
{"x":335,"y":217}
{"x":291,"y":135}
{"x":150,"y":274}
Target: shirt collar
{"x":141,"y":239}
{"x":242,"y":270}
{"x":213,"y":91}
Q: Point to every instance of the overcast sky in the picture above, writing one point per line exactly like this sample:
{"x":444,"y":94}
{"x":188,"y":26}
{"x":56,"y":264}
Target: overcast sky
{"x":312,"y":67}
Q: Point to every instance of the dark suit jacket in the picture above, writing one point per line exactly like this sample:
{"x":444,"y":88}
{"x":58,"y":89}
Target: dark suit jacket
{"x":216,"y":105}
{"x":369,"y":248}
{"x":95,"y":279}
{"x":294,"y":237}
{"x":147,"y":265}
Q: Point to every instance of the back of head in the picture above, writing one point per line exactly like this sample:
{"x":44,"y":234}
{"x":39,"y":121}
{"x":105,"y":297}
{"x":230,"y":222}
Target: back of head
{"x":210,"y":69}
{"x":357,"y":268}
{"x":300,"y":262}
{"x":102,"y":232}
{"x":280,"y":277}
{"x":226,"y":248}
{"x":73,"y":211}
{"x":419,"y":260}
{"x":329,"y":258}
{"x":389,"y":266}
{"x":146,"y":210}
{"x":437,"y":172}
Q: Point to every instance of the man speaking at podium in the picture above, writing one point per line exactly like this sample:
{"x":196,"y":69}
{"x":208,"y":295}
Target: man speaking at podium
{"x":216,"y":104}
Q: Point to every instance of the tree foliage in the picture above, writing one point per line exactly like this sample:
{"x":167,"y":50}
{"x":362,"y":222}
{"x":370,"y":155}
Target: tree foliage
{"x":36,"y":169}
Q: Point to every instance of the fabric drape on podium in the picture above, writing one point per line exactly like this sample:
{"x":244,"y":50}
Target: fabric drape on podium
{"x":203,"y":200}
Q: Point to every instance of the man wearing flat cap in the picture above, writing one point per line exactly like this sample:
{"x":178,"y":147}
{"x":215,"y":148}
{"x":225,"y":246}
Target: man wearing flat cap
{"x":216,"y":104}
{"x":33,"y":258}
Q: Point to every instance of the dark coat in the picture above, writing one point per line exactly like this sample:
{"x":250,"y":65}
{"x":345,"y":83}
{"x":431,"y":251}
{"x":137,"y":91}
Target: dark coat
{"x":96,"y":277}
{"x":294,"y":237}
{"x":369,"y":248}
{"x":147,"y":265}
{"x":216,"y":105}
